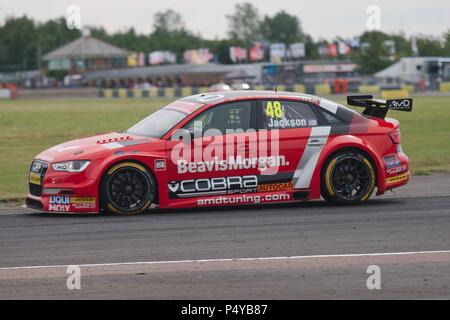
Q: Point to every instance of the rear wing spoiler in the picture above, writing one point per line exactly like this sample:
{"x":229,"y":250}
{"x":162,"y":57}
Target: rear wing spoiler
{"x":379,"y":108}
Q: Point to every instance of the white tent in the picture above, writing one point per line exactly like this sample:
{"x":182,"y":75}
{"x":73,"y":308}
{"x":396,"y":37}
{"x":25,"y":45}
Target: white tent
{"x":409,"y":70}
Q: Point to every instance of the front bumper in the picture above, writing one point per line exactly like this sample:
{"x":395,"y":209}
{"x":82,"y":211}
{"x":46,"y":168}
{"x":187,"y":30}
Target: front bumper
{"x":62,"y":192}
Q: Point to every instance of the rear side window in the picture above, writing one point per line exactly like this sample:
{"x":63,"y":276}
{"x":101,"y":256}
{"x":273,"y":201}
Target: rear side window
{"x":278,"y":114}
{"x":331,"y":119}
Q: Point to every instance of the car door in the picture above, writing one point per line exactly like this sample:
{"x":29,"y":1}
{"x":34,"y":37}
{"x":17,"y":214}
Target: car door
{"x":217,"y":161}
{"x":297,"y":136}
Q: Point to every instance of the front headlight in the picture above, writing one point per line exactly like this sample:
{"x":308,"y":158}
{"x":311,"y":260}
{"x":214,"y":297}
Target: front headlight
{"x":71,"y":166}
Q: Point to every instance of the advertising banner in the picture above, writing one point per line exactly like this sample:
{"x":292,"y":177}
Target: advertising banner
{"x":238,"y":54}
{"x":198,"y":56}
{"x":257,"y":52}
{"x":277,"y":52}
{"x":297,"y":50}
{"x":162,"y":57}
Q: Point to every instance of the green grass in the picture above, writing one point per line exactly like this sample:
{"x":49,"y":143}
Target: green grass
{"x":30,"y":126}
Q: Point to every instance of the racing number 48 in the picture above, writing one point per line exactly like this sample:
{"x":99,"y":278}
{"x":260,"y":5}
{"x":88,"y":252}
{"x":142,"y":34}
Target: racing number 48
{"x":274,"y":110}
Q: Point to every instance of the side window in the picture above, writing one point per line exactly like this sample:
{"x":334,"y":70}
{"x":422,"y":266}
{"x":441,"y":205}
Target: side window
{"x":331,"y":119}
{"x":226,"y":116}
{"x":287,"y":115}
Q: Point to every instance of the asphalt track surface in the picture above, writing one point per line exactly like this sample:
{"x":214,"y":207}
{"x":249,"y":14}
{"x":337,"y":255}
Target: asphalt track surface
{"x":297,"y":251}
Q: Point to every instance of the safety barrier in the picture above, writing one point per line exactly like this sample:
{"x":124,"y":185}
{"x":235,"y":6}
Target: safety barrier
{"x":299,"y":88}
{"x":8,"y":93}
{"x":394,"y":94}
{"x":369,"y":89}
{"x":408,"y":87}
{"x":322,"y":89}
{"x":444,"y":87}
{"x":153,"y":92}
{"x":178,"y":92}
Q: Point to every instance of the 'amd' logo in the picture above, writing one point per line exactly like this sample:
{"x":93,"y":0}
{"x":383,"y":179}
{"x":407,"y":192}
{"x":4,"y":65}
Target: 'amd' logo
{"x":400,"y":104}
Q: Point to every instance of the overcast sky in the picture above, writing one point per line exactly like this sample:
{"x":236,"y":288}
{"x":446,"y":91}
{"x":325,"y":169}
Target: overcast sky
{"x":319,"y":18}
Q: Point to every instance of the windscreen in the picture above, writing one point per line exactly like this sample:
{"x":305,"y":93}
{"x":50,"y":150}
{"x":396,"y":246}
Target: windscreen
{"x":160,"y":122}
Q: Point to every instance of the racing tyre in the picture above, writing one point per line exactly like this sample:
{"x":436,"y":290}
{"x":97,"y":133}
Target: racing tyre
{"x":127,"y":188}
{"x":348,"y":178}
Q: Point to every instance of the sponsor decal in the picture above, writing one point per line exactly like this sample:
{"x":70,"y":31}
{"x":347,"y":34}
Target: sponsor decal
{"x":198,"y":145}
{"x":390,"y":157}
{"x":59,"y":200}
{"x":392,"y":163}
{"x":312,"y":100}
{"x":399,"y":178}
{"x":213,"y":186}
{"x":121,"y":143}
{"x":59,"y":203}
{"x":400,"y":104}
{"x":65,"y":203}
{"x":275,"y":187}
{"x":115,"y":139}
{"x":275,"y":112}
{"x":59,"y":207}
{"x":233,"y":163}
{"x":83,"y":202}
{"x":285,"y":123}
{"x":35,"y":178}
{"x":244,"y":199}
{"x":205,"y":98}
{"x":160,"y":165}
{"x":397,"y":169}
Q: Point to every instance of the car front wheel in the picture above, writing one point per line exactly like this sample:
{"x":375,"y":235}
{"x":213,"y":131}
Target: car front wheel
{"x":127,"y":188}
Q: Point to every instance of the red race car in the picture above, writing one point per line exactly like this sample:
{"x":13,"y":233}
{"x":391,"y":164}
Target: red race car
{"x":228,"y":148}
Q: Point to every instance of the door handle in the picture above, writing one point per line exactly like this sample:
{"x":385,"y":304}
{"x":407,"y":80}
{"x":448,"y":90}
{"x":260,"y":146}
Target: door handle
{"x":315,"y":142}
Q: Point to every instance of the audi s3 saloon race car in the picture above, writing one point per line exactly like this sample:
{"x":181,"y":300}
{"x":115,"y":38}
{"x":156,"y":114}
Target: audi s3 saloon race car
{"x":228,"y":148}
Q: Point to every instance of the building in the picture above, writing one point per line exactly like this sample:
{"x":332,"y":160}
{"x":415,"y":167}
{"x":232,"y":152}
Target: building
{"x":308,"y":72}
{"x":86,"y":54}
{"x":169,"y":75}
{"x":413,"y":70}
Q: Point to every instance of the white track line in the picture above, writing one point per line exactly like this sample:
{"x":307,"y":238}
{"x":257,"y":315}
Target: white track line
{"x":233,"y":259}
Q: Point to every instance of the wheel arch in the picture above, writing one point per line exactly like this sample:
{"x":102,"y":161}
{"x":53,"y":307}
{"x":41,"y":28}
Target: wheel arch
{"x":355,"y":147}
{"x":110,"y":165}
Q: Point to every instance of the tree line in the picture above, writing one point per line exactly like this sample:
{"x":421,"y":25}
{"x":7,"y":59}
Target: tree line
{"x":24,"y":41}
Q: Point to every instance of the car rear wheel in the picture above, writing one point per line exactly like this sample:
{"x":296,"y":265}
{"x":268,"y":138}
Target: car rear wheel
{"x":348,"y":178}
{"x":127,"y":188}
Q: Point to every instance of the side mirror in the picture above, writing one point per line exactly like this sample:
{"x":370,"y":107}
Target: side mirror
{"x":186,"y":135}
